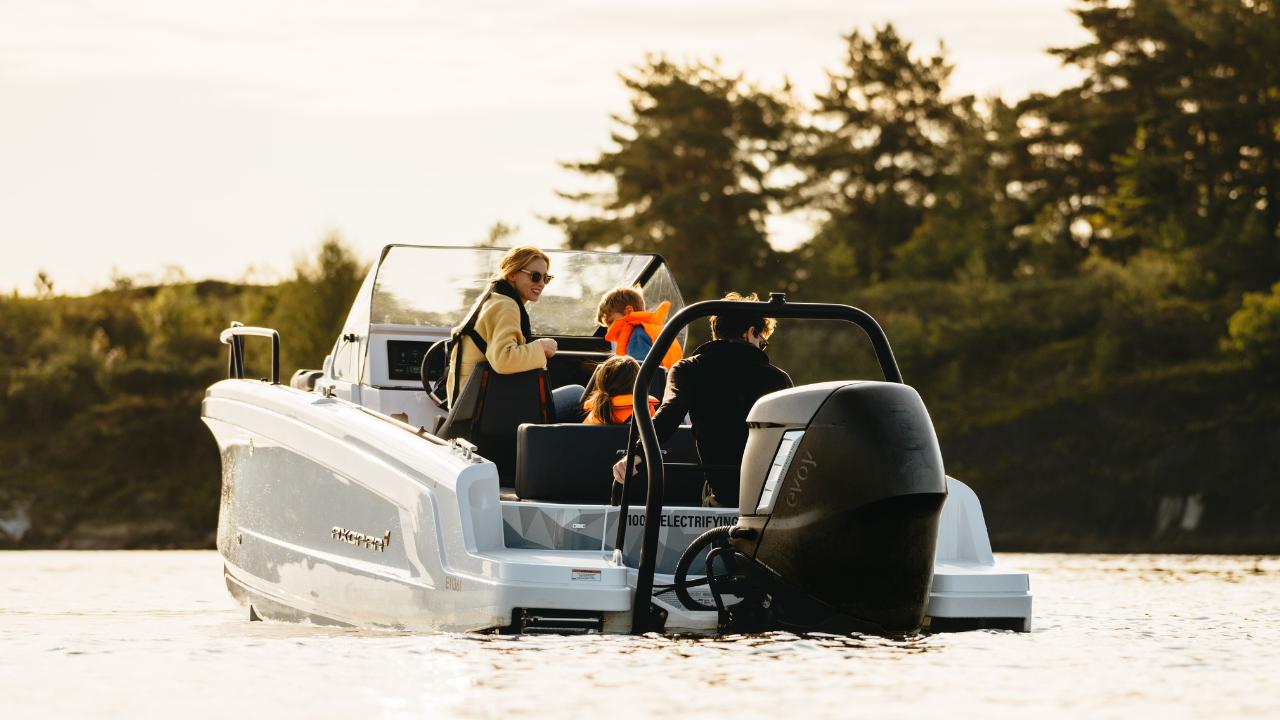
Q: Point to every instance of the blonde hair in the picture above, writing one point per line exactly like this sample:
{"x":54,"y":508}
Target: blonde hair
{"x":618,"y":300}
{"x":516,"y":259}
{"x":732,"y":325}
{"x":615,"y":376}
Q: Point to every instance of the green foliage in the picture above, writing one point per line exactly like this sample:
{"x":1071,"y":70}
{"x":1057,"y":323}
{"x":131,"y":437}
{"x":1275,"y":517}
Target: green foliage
{"x":1039,"y":265}
{"x":1142,"y":322}
{"x":967,"y":226}
{"x":875,"y":153}
{"x":1254,"y":329}
{"x":692,"y":176}
{"x":1173,"y":135}
{"x":309,"y":310}
{"x":100,"y":432}
{"x":499,"y":235}
{"x":176,"y":323}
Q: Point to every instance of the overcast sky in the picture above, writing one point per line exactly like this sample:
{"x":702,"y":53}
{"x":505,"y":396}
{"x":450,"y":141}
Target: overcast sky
{"x":226,"y":138}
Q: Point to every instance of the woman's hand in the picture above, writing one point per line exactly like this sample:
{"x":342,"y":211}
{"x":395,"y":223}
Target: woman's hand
{"x":549,"y":347}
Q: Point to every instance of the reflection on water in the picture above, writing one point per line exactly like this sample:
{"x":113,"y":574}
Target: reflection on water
{"x":117,"y":634}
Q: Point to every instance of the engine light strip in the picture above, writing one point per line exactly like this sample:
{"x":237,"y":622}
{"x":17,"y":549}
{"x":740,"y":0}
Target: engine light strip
{"x":778,"y":470}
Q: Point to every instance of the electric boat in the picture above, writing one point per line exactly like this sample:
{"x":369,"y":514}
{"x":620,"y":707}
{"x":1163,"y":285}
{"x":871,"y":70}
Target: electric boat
{"x":355,"y":495}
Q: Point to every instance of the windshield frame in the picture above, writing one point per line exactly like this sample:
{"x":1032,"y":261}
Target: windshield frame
{"x":653,"y":265}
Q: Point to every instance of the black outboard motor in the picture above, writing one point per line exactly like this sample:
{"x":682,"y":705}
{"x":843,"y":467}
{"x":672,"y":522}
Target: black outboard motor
{"x":840,"y":495}
{"x":842,"y":487}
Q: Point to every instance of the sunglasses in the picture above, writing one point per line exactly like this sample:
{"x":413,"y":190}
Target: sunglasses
{"x":538,"y":277}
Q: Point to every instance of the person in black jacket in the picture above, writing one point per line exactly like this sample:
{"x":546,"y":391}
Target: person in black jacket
{"x":716,"y":386}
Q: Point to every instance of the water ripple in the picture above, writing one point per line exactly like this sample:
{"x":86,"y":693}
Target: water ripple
{"x":1114,"y":635}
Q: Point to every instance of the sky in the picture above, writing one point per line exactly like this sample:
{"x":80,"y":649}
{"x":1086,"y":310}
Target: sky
{"x":148,"y":138}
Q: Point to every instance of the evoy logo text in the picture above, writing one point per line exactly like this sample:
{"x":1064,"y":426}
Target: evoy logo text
{"x":801,"y":478}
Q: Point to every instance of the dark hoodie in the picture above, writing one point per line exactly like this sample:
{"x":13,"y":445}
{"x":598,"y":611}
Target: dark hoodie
{"x":717,"y":386}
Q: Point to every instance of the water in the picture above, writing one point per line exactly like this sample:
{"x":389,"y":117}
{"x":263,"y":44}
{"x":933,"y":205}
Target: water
{"x":124,"y":634}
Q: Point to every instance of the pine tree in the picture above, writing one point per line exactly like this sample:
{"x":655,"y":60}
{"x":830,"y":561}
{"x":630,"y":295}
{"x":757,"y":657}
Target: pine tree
{"x":1173,"y":138}
{"x":691,"y":176}
{"x":874,"y":154}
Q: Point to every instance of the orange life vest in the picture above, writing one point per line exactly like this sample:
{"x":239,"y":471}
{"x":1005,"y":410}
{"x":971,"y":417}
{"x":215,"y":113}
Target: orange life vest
{"x":621,"y":407}
{"x":651,"y":320}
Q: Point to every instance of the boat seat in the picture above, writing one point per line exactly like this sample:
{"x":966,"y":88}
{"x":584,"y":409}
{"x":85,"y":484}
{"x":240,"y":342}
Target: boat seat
{"x":490,"y":409}
{"x":573,"y":464}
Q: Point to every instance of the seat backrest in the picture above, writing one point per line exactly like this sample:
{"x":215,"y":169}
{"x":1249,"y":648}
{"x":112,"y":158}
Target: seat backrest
{"x":572,"y":463}
{"x":490,"y":409}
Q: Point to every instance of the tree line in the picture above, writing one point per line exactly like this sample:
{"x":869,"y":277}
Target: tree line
{"x":1149,"y":192}
{"x":1082,"y":285}
{"x":101,"y":443}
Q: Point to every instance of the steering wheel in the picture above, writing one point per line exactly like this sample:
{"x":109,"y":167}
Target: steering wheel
{"x":435,"y":369}
{"x":716,"y":538}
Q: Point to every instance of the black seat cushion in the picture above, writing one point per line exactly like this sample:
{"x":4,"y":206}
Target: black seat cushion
{"x":571,"y":463}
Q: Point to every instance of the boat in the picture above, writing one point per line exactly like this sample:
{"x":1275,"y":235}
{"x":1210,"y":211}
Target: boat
{"x":353,"y":495}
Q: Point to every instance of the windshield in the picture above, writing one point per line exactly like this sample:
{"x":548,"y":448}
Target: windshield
{"x":436,"y":286}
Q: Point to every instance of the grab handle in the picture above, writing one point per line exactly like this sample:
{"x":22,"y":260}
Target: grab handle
{"x":234,"y":336}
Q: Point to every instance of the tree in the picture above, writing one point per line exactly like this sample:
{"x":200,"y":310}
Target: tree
{"x":968,"y":227}
{"x":311,"y":308}
{"x":692,"y":176}
{"x":499,"y":234}
{"x":1254,"y":329}
{"x":874,"y":153}
{"x":1174,"y":135}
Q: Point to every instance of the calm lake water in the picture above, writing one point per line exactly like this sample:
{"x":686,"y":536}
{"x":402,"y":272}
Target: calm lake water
{"x":116,"y":634}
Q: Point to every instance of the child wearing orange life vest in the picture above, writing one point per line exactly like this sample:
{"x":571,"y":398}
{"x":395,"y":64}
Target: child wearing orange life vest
{"x":609,"y":400}
{"x":631,"y":328}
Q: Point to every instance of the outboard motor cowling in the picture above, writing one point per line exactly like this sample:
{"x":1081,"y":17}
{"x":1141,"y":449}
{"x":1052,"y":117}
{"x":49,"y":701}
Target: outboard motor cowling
{"x":841,"y":490}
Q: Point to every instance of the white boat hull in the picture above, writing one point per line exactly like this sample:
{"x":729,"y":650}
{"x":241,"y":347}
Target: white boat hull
{"x":334,"y":514}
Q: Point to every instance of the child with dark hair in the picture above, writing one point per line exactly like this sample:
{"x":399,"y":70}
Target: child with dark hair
{"x":631,"y":328}
{"x":609,"y":399}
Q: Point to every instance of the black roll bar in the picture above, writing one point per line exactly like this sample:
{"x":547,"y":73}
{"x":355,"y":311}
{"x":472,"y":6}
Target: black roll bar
{"x":235,"y":335}
{"x":645,"y":618}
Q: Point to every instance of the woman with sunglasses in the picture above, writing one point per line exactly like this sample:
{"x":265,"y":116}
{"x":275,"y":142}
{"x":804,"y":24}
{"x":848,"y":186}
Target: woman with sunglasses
{"x":504,"y":330}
